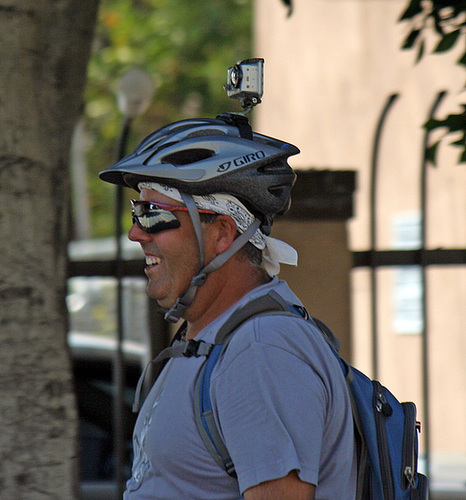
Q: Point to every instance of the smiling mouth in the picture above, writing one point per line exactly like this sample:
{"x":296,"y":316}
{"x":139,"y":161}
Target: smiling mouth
{"x":153,"y":261}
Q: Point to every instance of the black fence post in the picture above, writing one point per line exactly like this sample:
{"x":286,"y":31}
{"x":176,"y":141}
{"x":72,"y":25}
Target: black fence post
{"x":423,"y":263}
{"x":373,"y":232}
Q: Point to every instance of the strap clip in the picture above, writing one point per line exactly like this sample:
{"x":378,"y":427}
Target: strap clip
{"x":196,"y":348}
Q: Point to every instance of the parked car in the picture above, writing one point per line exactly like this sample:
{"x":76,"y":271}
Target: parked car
{"x":93,"y":374}
{"x":92,"y":308}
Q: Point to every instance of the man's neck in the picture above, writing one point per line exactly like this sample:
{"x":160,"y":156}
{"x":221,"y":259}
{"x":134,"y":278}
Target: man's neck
{"x":222,"y":289}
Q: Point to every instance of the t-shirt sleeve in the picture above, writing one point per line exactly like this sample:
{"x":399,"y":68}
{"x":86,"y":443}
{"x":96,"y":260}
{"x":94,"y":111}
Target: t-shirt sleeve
{"x":270,"y":406}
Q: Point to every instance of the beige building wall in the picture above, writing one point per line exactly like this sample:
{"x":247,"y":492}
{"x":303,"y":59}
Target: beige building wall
{"x":329,"y":70}
{"x":323,"y":258}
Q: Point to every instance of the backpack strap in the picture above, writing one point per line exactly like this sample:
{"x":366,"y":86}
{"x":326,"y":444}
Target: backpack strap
{"x":268,"y":304}
{"x":204,"y":415}
{"x":328,"y":334}
{"x":178,"y":349}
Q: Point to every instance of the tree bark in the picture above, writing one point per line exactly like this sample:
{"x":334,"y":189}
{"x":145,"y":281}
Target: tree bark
{"x":44,"y":49}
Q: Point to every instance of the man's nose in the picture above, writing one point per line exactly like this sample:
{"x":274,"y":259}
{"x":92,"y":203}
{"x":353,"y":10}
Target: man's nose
{"x":137,"y":234}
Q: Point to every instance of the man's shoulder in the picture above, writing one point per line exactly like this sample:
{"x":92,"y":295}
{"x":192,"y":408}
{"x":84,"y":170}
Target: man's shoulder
{"x":283,"y":330}
{"x":276,"y":286}
{"x":277,"y":291}
{"x":277,"y":328}
{"x":281,"y":335}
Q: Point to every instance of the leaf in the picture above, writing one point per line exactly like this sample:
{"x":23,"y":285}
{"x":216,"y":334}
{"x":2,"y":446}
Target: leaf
{"x":462,"y":60}
{"x":431,"y":153}
{"x":414,"y":8}
{"x":420,"y":52}
{"x":447,"y":42}
{"x":289,"y":4}
{"x":432,"y":123}
{"x":459,"y":142}
{"x":411,"y":39}
{"x":455,"y":123}
{"x":462,"y":158}
{"x":437,"y":22}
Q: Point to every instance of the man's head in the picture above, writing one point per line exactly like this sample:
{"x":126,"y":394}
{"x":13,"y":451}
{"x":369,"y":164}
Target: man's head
{"x":217,"y":166}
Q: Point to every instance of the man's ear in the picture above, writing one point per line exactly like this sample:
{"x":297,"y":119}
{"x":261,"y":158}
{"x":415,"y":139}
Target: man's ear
{"x":225,"y":234}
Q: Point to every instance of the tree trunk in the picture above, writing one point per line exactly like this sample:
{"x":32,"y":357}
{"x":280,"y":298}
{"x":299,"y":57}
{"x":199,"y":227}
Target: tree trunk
{"x":44,"y":49}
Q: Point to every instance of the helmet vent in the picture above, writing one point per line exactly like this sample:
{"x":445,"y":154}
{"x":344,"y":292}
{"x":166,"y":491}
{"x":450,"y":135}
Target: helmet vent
{"x":271,"y":168}
{"x":277,"y":191}
{"x":205,"y":132}
{"x":187,"y":156}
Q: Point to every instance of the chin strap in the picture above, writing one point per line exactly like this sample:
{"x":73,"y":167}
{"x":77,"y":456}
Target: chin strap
{"x":182,"y":303}
{"x":196,"y":220}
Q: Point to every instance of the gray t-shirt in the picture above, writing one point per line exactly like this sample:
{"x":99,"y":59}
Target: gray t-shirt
{"x":280,"y":402}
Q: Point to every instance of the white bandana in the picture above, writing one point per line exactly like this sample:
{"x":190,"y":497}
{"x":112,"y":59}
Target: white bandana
{"x":274,"y":251}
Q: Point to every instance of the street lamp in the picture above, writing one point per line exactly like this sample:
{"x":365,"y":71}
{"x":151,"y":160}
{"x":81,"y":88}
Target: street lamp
{"x":134,"y":94}
{"x":135,"y":90}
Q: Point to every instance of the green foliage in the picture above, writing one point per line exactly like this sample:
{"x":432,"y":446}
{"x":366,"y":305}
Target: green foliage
{"x":455,"y":124}
{"x":186,"y":46}
{"x":448,"y":20}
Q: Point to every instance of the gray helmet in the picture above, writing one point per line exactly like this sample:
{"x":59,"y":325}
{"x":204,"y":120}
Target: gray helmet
{"x":222,"y":155}
{"x":205,"y":156}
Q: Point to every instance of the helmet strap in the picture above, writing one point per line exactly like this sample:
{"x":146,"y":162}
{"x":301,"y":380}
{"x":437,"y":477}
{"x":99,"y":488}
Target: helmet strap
{"x":238,"y":243}
{"x":182,"y":303}
{"x":196,"y":220}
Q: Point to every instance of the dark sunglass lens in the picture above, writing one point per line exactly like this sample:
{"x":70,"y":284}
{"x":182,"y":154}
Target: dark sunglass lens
{"x":153,"y":219}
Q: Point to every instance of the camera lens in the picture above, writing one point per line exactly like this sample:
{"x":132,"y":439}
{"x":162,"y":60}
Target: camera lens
{"x":236,"y":75}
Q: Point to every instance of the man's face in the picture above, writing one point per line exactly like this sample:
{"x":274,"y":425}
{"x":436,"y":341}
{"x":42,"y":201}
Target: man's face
{"x":172,"y":256}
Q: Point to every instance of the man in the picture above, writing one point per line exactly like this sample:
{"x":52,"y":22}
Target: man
{"x":209,"y":190}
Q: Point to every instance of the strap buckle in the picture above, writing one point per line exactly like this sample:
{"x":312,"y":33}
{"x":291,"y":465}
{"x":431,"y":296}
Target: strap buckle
{"x":196,"y":348}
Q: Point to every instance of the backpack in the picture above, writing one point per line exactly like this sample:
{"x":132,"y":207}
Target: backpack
{"x":386,"y":430}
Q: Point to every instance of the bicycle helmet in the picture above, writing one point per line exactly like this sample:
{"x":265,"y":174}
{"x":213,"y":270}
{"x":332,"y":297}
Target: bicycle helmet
{"x":207,"y":156}
{"x":222,"y":155}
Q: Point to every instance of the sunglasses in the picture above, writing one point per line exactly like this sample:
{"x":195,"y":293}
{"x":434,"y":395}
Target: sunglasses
{"x":155,"y":217}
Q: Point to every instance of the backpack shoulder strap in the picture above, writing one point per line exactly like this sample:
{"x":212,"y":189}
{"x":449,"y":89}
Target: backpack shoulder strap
{"x":204,"y":416}
{"x":177,"y":349}
{"x":266,"y":303}
{"x":270,"y":303}
{"x":328,"y":334}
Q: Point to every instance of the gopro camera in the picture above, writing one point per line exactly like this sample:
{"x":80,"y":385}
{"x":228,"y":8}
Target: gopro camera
{"x":246,"y":82}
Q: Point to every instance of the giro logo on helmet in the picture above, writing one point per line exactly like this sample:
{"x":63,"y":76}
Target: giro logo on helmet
{"x":241,"y":160}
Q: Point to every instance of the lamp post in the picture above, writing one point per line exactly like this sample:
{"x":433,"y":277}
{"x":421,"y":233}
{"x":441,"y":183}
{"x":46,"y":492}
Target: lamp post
{"x":134,"y":94}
